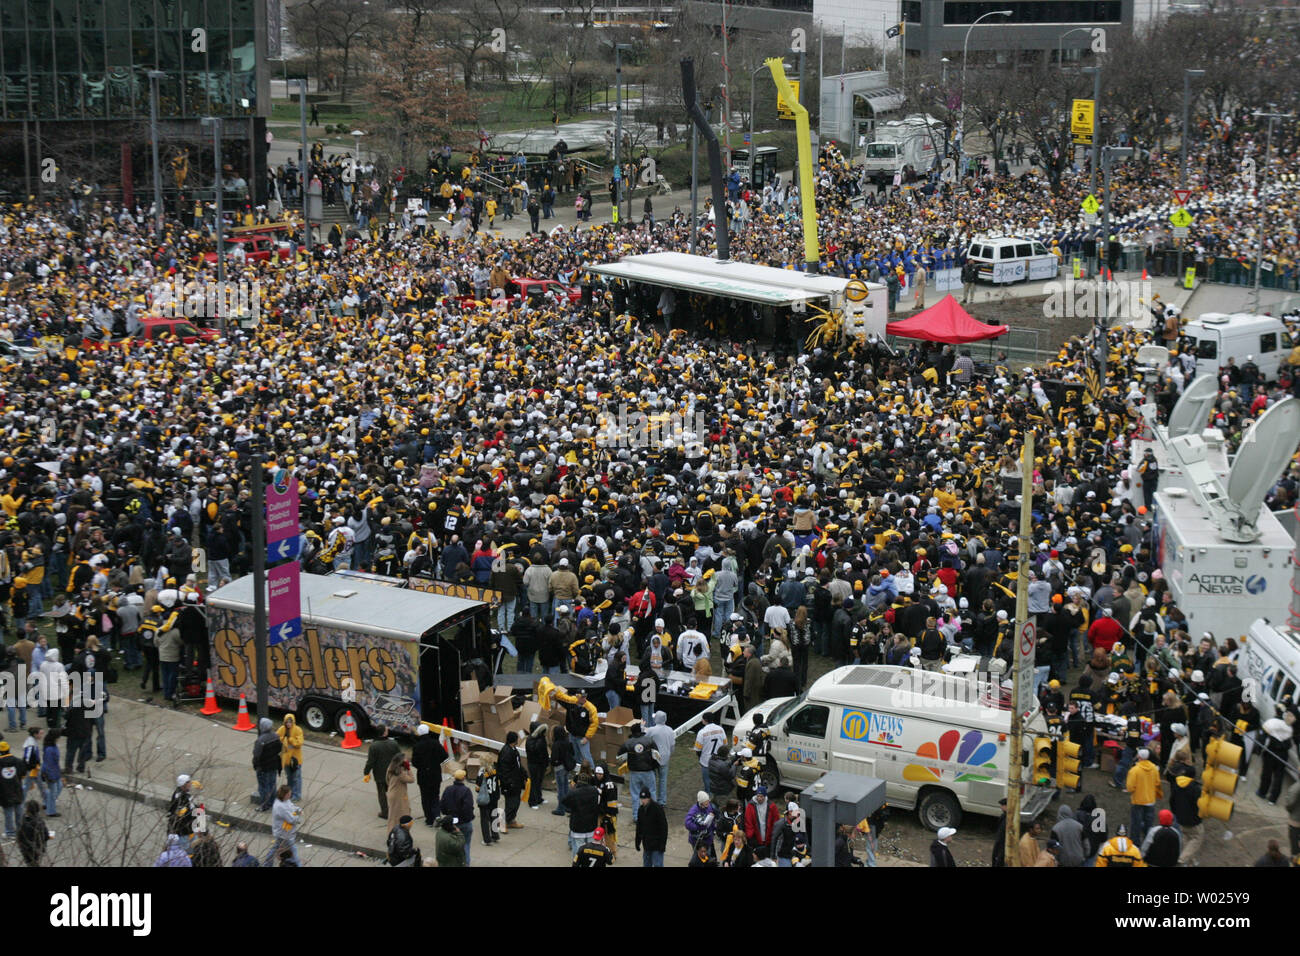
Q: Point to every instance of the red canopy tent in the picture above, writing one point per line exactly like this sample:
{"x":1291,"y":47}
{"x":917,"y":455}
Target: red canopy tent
{"x":945,"y":321}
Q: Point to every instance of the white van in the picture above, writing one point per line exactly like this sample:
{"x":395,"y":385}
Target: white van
{"x":938,"y":741}
{"x":1012,"y":259}
{"x":1219,"y":336}
{"x":1269,"y":664}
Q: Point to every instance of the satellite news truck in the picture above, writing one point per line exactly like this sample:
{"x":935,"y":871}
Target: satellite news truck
{"x":1226,"y":557}
{"x":389,"y":655}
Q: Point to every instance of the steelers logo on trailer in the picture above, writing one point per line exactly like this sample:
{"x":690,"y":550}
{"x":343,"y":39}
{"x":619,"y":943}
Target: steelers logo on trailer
{"x":856,"y":291}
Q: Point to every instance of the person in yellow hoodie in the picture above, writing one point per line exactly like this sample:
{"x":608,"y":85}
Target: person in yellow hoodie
{"x":1120,"y":851}
{"x":1144,"y":789}
{"x":290,"y":735}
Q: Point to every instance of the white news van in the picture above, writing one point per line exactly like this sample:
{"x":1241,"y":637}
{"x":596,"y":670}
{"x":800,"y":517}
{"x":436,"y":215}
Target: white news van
{"x":1219,"y":336}
{"x":938,"y":741}
{"x":1269,"y":664}
{"x":1012,"y":259}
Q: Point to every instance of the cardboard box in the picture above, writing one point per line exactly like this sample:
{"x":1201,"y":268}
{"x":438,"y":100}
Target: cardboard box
{"x":1107,"y":761}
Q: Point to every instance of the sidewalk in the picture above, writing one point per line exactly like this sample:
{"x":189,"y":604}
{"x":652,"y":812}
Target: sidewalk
{"x":149,"y":746}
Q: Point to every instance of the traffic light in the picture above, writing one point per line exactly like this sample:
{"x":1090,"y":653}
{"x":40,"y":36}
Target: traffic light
{"x":1043,"y":760}
{"x":1219,"y":781}
{"x":1067,"y":764}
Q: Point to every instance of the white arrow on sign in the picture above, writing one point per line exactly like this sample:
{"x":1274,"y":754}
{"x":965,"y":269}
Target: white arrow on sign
{"x":286,"y":631}
{"x":285,"y":548}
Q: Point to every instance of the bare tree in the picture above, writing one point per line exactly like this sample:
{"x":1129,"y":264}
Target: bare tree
{"x":469,"y":32}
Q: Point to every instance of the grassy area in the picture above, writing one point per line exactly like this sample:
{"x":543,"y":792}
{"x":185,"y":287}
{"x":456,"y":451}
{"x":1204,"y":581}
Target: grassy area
{"x":675,"y":162}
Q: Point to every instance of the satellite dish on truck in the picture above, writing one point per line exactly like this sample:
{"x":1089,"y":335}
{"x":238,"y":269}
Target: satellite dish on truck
{"x":1266,"y":451}
{"x":1193,"y":408}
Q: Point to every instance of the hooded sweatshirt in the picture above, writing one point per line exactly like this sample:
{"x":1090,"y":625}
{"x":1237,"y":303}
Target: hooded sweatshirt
{"x":174,"y":854}
{"x":1070,"y":833}
{"x":662,"y":735}
{"x":1093,"y":838}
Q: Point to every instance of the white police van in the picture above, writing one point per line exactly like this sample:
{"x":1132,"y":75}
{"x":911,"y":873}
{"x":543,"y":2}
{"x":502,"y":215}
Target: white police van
{"x":1005,"y":259}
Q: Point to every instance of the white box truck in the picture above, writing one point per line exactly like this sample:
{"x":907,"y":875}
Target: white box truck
{"x":915,"y":141}
{"x":939,"y":741}
{"x":389,"y":655}
{"x":1218,"y":336}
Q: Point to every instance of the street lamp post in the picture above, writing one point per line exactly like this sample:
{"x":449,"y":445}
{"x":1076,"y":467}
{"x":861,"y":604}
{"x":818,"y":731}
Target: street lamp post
{"x":302,"y":119}
{"x":1185,"y":131}
{"x":215,"y":123}
{"x":618,"y":125}
{"x":1103,"y":317}
{"x":965,"y":46}
{"x":1260,"y":201}
{"x":1095,"y":72}
{"x":1060,"y":46}
{"x":154,"y":77}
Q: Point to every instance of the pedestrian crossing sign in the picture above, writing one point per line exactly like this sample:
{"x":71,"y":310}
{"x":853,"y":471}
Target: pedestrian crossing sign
{"x":1090,"y":205}
{"x":1181,"y":217}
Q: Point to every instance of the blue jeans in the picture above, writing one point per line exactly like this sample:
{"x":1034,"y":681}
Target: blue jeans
{"x":294,"y":779}
{"x":1040,"y":677}
{"x":612,"y":698}
{"x":11,"y":819}
{"x":1126,"y":757}
{"x":266,"y":787}
{"x":467,"y":831}
{"x":561,"y":787}
{"x":661,"y":784}
{"x":279,"y":844}
{"x":1140,"y":820}
{"x":638,"y":780}
{"x":576,"y":840}
{"x":525,"y":665}
{"x":101,"y":744}
{"x":541,"y":610}
{"x":52,"y":791}
{"x":20,"y":713}
{"x":131,"y":648}
{"x":170,"y":671}
{"x":648,"y":714}
{"x":506,"y":613}
{"x":704,"y":777}
{"x":582,"y":750}
{"x":722,"y":609}
{"x":652,"y":858}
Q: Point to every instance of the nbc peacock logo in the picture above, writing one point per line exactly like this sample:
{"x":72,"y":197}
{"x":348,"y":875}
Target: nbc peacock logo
{"x":970,"y":749}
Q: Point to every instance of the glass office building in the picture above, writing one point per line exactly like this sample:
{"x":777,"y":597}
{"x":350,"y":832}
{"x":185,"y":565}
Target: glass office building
{"x":75,"y":87}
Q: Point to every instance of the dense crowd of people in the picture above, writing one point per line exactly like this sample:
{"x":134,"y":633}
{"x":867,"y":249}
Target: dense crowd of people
{"x":851,"y":501}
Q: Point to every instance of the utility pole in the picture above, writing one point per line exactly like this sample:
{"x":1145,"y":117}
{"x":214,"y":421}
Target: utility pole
{"x":1186,"y":135}
{"x":1096,"y":125}
{"x":618,"y":127}
{"x":1022,"y":605}
{"x":695,"y":185}
{"x":215,"y":123}
{"x":259,"y":585}
{"x":1260,"y":204}
{"x":1103,"y":308}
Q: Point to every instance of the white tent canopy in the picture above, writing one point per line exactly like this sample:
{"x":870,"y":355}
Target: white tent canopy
{"x":766,"y":285}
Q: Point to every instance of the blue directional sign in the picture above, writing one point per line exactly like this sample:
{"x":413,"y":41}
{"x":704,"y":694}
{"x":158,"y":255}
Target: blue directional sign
{"x":285,"y":632}
{"x":285,"y":549}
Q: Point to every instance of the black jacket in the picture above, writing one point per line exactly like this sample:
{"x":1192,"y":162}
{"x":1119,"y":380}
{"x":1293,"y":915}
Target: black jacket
{"x":583,"y":804}
{"x":652,"y":828}
{"x":940,"y":855}
{"x":641,"y":754}
{"x":780,"y":682}
{"x":562,"y":752}
{"x":536,"y":751}
{"x":401,"y":847}
{"x":458,"y":802}
{"x":12,"y":771}
{"x":510,"y":769}
{"x":1164,"y":848}
{"x":266,"y":752}
{"x":380,"y":755}
{"x":428,"y":754}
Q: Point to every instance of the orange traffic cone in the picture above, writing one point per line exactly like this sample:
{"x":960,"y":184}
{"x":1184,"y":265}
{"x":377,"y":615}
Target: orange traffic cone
{"x":350,"y":739}
{"x":210,"y":702}
{"x":242,"y":721}
{"x":1145,"y":277}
